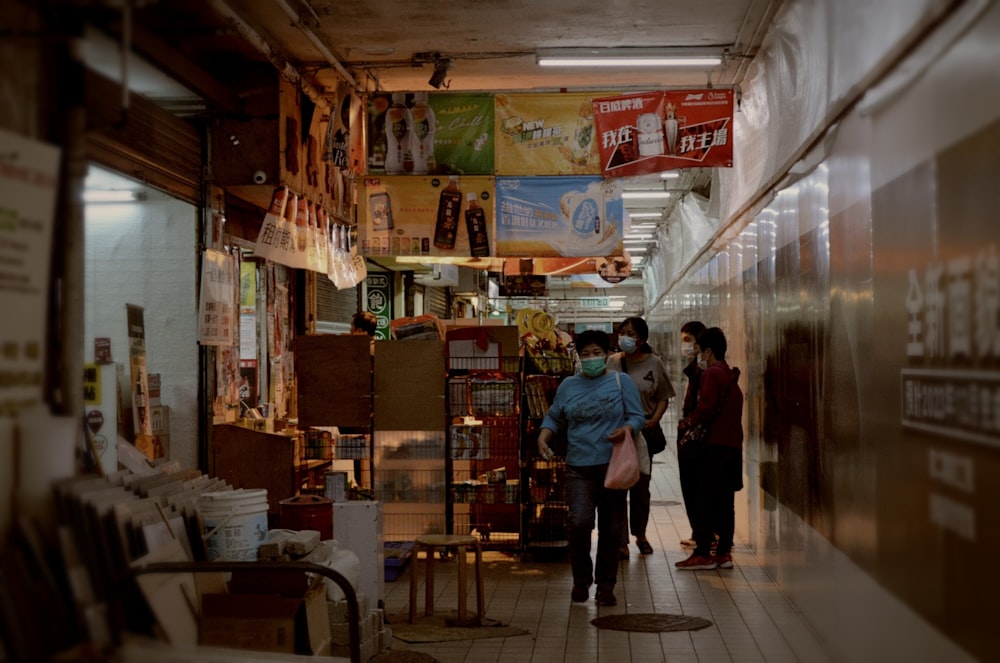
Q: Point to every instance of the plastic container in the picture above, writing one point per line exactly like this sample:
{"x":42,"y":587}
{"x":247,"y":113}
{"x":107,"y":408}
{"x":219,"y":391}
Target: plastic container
{"x":235,"y":524}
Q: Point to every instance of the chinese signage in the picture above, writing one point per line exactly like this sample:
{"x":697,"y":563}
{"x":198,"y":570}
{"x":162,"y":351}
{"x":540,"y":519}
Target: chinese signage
{"x":558,"y":216}
{"x":379,"y":302}
{"x":217,"y":304}
{"x":655,"y":131}
{"x":953,"y":325}
{"x":29,"y":178}
{"x":546,"y":134}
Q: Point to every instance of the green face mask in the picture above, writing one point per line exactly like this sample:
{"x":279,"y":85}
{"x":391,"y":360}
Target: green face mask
{"x":593,"y":366}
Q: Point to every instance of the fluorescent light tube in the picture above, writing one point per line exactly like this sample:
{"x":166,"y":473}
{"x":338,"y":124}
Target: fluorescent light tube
{"x":625,"y":57}
{"x":99,"y":196}
{"x":669,"y":175}
{"x":645,"y":195}
{"x":645,"y":215}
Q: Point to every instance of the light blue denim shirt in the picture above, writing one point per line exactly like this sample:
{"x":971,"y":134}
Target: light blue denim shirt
{"x":588,"y":409}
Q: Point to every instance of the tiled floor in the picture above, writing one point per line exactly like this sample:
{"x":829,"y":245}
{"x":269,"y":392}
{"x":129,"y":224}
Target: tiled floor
{"x":752,"y":619}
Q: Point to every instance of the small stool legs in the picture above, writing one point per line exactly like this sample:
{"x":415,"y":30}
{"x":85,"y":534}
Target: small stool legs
{"x":429,"y":544}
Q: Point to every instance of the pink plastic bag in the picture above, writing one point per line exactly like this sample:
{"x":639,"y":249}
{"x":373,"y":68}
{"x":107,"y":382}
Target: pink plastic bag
{"x":623,"y":470}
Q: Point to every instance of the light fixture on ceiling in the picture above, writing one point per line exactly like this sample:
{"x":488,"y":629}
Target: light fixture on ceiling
{"x":669,"y":175}
{"x":645,"y":195}
{"x":626,"y":57}
{"x":645,"y":215}
{"x":110,"y":196}
{"x":441,"y":68}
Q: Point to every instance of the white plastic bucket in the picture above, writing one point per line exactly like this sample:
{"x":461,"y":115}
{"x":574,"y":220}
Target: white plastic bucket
{"x":235,"y":524}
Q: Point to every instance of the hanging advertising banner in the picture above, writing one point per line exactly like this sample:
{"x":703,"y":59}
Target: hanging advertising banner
{"x":420,"y":133}
{"x":549,"y":266}
{"x":29,"y":179}
{"x":343,"y":150}
{"x":546,"y":134}
{"x":524,"y":285}
{"x":426,"y":216}
{"x":615,"y":269}
{"x":558,"y":216}
{"x":650,"y":132}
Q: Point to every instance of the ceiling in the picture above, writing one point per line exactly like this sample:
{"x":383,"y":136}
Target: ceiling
{"x":219,"y":50}
{"x":391,"y":44}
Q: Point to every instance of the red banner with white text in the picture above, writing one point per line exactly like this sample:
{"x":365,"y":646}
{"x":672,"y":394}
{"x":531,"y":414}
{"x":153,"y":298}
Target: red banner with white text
{"x":649,"y":132}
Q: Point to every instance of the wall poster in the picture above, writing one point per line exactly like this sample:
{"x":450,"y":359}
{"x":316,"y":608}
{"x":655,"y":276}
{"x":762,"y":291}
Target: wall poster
{"x":29,"y":178}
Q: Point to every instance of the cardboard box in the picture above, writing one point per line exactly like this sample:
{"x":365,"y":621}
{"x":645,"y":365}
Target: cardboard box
{"x":409,"y":385}
{"x":268,"y":621}
{"x":261,"y":622}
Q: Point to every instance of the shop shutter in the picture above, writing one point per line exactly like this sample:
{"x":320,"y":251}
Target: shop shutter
{"x":334,"y":308}
{"x":437,"y":301}
{"x":146,"y":143}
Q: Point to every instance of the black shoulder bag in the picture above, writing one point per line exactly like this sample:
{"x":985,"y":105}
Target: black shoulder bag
{"x":656,"y":441}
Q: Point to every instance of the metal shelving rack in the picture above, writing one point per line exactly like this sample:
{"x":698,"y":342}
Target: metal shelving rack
{"x":483,"y":449}
{"x":543,"y":480}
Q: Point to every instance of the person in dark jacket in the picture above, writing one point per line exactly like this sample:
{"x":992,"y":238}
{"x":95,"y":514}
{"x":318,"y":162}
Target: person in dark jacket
{"x":720,"y":462}
{"x":685,"y":467}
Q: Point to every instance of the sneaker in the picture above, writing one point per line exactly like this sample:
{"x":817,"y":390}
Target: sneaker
{"x":580,"y":593}
{"x":623,"y":553}
{"x":697,"y":563}
{"x":605,"y":597}
{"x":688,"y":543}
{"x":724,"y":561}
{"x":644,"y":547}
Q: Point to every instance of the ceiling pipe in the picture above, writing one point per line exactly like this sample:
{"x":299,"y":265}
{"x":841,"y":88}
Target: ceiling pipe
{"x":318,"y":43}
{"x":280,"y":62}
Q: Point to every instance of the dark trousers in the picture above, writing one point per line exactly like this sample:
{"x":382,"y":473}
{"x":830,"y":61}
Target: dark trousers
{"x":719,"y":474}
{"x":586,"y":495}
{"x":687,"y":472}
{"x":638,"y":509}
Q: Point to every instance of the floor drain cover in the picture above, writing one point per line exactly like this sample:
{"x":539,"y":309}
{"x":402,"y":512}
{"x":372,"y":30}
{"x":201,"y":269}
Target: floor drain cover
{"x":648,"y":623}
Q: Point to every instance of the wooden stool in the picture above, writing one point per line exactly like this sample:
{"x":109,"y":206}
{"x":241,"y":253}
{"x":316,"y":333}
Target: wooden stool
{"x":429,"y":543}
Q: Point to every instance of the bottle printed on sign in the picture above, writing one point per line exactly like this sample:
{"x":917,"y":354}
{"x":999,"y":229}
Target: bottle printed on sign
{"x":649,"y":136}
{"x":670,"y":127}
{"x":449,"y":207}
{"x":422,"y":136}
{"x":475,"y":222}
{"x":381,"y":211}
{"x":398,"y":131}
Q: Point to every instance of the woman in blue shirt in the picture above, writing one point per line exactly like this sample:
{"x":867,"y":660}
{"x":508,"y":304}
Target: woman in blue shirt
{"x":594,"y":408}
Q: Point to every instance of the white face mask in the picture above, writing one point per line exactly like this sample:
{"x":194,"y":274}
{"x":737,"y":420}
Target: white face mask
{"x":687,"y":349}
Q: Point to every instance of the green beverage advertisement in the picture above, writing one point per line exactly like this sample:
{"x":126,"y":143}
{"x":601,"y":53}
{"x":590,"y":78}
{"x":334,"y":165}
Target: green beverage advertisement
{"x":421,"y":133}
